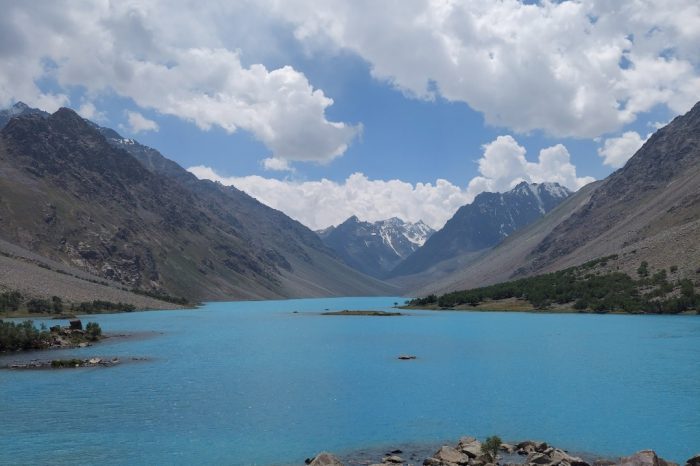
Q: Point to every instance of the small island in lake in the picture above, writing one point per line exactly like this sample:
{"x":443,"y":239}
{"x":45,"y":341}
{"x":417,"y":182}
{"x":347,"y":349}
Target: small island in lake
{"x":347,"y":312}
{"x":24,"y":336}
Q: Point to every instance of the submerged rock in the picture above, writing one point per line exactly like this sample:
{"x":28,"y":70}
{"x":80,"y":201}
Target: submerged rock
{"x":325,"y":459}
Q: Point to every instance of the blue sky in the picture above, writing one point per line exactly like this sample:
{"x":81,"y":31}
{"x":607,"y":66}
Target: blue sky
{"x":432,"y":102}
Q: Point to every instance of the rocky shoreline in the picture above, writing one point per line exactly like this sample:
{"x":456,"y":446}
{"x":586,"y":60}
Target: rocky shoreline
{"x":472,"y":452}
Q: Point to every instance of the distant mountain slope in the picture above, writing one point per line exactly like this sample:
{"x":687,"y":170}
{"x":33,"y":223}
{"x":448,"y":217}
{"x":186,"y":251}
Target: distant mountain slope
{"x":35,"y":276}
{"x":375,"y":248}
{"x":136,"y":218}
{"x":647,"y":211}
{"x":498,"y":264}
{"x":483,"y":224}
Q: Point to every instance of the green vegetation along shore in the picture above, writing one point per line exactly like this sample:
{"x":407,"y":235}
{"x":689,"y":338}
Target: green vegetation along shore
{"x":14,"y":304}
{"x":590,"y":287}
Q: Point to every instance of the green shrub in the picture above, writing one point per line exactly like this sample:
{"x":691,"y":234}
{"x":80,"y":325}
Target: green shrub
{"x":643,"y":270}
{"x":93,"y":331}
{"x":490,"y":446}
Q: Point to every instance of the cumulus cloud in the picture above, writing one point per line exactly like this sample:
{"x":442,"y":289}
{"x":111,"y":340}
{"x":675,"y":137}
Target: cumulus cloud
{"x":319,"y":204}
{"x":162,"y":60}
{"x":617,"y":151}
{"x":571,"y":68}
{"x":503,"y":165}
{"x":138,"y":123}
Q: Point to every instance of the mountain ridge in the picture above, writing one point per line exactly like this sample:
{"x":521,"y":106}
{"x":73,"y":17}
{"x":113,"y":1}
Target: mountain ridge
{"x":484,"y":223}
{"x":377,"y":247}
{"x":148,"y":223}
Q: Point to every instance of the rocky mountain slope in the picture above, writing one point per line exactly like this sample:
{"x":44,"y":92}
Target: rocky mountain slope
{"x":85,"y":197}
{"x":18,"y":109}
{"x":484,"y":223}
{"x":647,"y":211}
{"x":375,"y":248}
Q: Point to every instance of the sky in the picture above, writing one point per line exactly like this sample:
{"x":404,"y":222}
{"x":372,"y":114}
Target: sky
{"x":375,"y":108}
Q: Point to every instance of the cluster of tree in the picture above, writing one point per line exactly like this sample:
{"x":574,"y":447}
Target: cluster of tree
{"x":11,"y":301}
{"x":599,"y":292}
{"x":55,"y":305}
{"x":22,"y":336}
{"x":91,"y":307}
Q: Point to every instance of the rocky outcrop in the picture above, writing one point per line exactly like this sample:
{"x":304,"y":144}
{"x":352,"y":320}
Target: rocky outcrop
{"x":694,"y":461}
{"x":645,"y":458}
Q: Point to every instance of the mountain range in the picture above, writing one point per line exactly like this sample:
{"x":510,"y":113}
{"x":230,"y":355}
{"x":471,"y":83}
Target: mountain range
{"x":88,"y":214}
{"x":81,"y":197}
{"x":375,"y":248}
{"x":479,"y":226}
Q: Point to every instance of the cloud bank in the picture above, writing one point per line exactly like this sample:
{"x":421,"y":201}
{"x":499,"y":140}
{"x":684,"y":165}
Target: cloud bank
{"x":570,"y":68}
{"x":319,"y":204}
{"x":163,"y":61}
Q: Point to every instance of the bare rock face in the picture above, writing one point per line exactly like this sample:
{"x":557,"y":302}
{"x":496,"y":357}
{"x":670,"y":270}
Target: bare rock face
{"x":325,"y":459}
{"x":694,"y":461}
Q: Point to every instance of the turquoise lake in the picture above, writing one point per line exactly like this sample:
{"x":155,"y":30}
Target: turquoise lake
{"x":257,"y":383}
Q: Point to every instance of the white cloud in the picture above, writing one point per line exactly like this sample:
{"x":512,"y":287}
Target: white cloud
{"x":274,"y":164}
{"x":617,"y":151}
{"x":318,"y":204}
{"x":165,"y":60}
{"x":571,"y":68}
{"x":88,"y":110}
{"x":139,"y":123}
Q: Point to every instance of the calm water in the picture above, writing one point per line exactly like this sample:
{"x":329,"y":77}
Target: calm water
{"x":255,"y":383}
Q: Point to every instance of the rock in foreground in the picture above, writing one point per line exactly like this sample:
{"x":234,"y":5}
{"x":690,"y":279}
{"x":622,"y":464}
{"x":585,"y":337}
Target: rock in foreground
{"x":469,"y":452}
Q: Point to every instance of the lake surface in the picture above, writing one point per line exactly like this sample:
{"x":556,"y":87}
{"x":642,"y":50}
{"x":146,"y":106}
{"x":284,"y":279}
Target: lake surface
{"x":256,"y":383}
